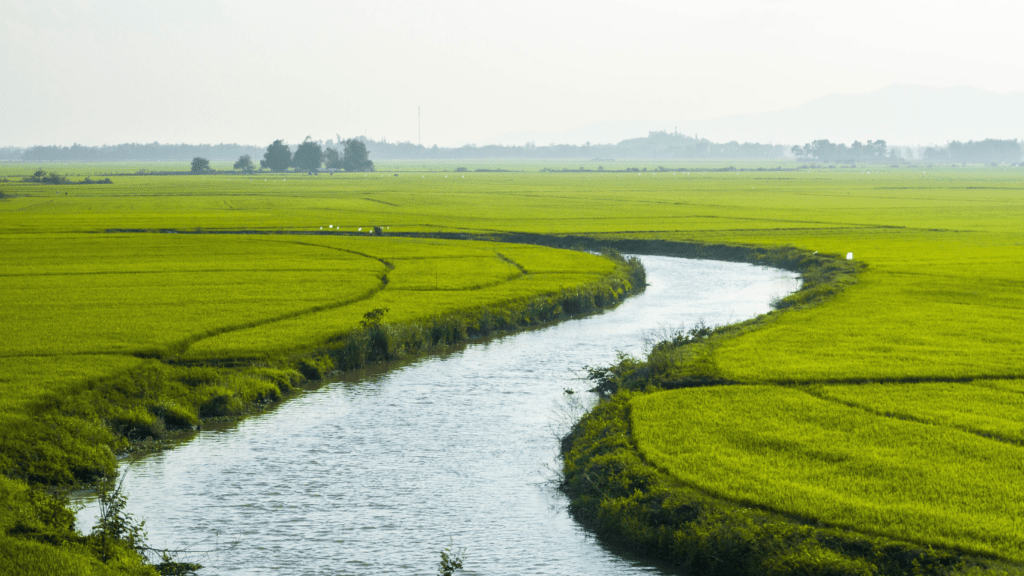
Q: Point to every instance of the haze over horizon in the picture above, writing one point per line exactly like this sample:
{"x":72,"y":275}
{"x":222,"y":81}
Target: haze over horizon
{"x":107,"y":72}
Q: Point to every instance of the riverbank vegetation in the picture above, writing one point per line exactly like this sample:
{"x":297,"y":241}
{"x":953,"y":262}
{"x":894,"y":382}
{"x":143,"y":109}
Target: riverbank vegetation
{"x":917,"y":337}
{"x":102,"y":360}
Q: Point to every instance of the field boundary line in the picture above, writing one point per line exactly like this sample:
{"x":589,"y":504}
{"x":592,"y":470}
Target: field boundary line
{"x":810,"y":391}
{"x":183,"y":345}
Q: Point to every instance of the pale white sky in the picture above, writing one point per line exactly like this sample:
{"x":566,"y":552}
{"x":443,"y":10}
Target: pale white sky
{"x":251,"y":71}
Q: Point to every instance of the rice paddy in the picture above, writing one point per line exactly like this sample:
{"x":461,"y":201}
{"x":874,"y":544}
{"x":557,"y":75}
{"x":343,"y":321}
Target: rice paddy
{"x":928,"y":482}
{"x":846,"y":411}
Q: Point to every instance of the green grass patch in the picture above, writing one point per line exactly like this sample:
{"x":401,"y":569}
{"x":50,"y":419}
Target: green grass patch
{"x":631,"y":503}
{"x":989,"y":410}
{"x":794,"y":453}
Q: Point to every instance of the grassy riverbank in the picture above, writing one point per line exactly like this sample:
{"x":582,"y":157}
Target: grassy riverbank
{"x":931,"y":301}
{"x":59,"y":430}
{"x":118,"y":340}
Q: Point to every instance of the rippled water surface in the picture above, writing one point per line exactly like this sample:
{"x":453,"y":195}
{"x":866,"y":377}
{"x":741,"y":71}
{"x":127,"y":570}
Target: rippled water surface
{"x":374,"y":474}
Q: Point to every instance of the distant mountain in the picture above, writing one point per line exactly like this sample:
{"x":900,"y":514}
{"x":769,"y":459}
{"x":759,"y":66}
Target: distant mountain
{"x":905,"y":115}
{"x":597,"y":133}
{"x":899,"y":114}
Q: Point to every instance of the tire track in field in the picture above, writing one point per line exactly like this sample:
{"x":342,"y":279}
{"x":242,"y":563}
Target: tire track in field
{"x":512,"y":277}
{"x":182,"y":346}
{"x":382,"y":202}
{"x":386,"y":263}
{"x":137,"y":272}
{"x":986,"y":434}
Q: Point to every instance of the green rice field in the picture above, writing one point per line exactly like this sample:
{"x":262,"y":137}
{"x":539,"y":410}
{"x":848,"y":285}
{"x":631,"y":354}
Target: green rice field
{"x":892,"y":409}
{"x":929,"y":481}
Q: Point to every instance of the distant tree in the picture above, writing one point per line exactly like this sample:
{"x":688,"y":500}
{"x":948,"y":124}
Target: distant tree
{"x":244,"y":164}
{"x":40,"y":176}
{"x":356,"y":158}
{"x":278,"y":157}
{"x":200,"y":164}
{"x":332,"y":159}
{"x":989,"y":150}
{"x":309,"y":155}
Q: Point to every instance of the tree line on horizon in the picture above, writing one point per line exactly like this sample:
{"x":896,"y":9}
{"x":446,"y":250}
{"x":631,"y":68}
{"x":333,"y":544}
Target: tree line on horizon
{"x":972,"y":152}
{"x":654,"y":146}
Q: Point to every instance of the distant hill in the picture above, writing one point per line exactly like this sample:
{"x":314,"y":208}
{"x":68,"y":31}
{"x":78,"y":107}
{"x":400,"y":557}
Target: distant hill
{"x":899,"y":114}
{"x":905,"y":115}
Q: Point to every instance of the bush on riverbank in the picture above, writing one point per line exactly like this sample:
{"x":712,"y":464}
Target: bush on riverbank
{"x":381,"y":341}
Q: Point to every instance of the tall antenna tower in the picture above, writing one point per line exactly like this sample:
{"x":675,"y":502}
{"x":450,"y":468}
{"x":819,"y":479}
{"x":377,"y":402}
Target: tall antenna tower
{"x":419,"y":128}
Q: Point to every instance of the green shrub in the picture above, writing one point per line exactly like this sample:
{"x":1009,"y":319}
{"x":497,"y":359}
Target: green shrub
{"x":175,"y":416}
{"x":448,"y":330}
{"x":198,"y":375}
{"x":220,"y":401}
{"x":284,"y":379}
{"x":315,"y":368}
{"x":137,"y":423}
{"x":55,"y":449}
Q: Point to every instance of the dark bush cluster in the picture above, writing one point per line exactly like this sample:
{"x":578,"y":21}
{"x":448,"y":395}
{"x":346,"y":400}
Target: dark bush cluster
{"x":42,"y":177}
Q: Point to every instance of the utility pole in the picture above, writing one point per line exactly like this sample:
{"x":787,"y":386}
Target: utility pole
{"x":419,"y":127}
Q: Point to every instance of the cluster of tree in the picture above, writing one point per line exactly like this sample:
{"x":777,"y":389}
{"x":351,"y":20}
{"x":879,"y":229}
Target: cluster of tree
{"x":42,"y":177}
{"x":656,"y":145}
{"x":825,"y":151}
{"x":200,"y":164}
{"x":8,"y":153}
{"x":310,"y":156}
{"x":990,"y":150}
{"x":154,"y":152}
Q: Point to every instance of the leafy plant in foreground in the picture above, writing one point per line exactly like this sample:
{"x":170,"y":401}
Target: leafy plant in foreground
{"x":450,"y":561}
{"x":118,"y":533}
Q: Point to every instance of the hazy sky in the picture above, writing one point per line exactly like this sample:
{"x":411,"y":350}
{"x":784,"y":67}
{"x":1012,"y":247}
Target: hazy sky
{"x":251,"y":71}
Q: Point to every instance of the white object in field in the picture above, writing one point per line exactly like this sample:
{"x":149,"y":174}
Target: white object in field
{"x":329,"y":226}
{"x":849,"y":255}
{"x":321,"y":227}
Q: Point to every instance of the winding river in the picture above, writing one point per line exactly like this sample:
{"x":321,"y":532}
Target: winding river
{"x":376,"y":473}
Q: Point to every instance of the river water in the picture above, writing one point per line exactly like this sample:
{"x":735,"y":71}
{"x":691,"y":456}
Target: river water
{"x":376,"y":473}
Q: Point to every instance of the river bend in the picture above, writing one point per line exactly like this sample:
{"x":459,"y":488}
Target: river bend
{"x":375,"y":473}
